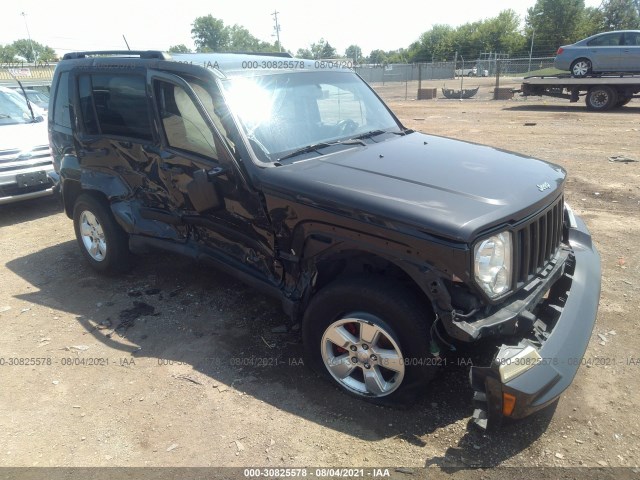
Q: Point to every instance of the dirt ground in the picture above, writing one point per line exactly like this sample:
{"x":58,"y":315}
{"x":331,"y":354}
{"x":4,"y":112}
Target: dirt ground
{"x":175,"y":364}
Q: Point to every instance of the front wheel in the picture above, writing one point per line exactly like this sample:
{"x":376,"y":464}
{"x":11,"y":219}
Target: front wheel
{"x":102,"y":242}
{"x":601,"y":98}
{"x":370,"y":337}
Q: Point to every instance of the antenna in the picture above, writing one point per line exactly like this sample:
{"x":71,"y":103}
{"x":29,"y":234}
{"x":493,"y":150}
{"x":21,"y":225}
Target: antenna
{"x":277,"y":28}
{"x":126,"y":43}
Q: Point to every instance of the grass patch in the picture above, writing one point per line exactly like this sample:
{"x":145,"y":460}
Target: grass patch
{"x":544,"y":72}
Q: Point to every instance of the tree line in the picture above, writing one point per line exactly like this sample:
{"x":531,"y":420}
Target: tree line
{"x":26,"y":50}
{"x":547,"y":25}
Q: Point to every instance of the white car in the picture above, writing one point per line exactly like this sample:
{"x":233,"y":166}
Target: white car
{"x":26,"y":165}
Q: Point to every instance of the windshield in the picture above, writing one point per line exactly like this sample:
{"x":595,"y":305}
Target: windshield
{"x":282,"y":113}
{"x":13,"y":109}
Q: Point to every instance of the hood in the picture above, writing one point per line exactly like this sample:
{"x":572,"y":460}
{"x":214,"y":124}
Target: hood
{"x":444,"y":187}
{"x":23,"y":136}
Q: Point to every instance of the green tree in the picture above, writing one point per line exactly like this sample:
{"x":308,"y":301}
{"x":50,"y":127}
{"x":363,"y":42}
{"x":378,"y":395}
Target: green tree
{"x":501,"y":33}
{"x":397,"y":56}
{"x":210,"y":34}
{"x":592,"y":22}
{"x":7,"y":54}
{"x":322,"y":49}
{"x":620,"y":15}
{"x":437,"y":44}
{"x":241,"y":40}
{"x":182,"y":48}
{"x":33,"y":51}
{"x":354,"y":52}
{"x":556,"y":22}
{"x":304,"y":53}
{"x":377,"y":56}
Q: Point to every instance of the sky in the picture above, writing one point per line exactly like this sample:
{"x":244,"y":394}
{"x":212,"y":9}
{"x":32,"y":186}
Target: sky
{"x":72,"y":25}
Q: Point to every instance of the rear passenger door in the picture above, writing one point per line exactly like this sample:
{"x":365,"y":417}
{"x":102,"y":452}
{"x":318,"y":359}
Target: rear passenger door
{"x":115,"y":134}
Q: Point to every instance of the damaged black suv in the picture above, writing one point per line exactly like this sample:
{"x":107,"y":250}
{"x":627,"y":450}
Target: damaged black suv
{"x":388,"y":245}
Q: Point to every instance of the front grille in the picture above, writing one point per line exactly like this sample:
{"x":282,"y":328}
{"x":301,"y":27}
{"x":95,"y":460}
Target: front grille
{"x":13,"y":160}
{"x":537,"y":241}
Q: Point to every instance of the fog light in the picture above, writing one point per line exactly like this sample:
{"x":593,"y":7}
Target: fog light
{"x":514,"y":361}
{"x":508,"y":404}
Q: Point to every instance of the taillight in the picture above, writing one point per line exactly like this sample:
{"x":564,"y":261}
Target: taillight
{"x":560,"y":50}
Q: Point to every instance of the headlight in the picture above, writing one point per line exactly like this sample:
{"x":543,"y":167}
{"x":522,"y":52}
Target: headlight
{"x":493,"y":265}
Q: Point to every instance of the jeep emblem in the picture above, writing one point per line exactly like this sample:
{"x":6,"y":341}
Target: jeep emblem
{"x":543,"y":186}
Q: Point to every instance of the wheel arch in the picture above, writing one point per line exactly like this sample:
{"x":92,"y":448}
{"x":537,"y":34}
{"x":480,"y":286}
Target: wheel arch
{"x":325,"y":258}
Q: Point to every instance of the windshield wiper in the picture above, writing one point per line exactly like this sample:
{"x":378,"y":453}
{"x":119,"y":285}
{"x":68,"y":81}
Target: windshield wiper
{"x":370,"y":134}
{"x":316,"y":146}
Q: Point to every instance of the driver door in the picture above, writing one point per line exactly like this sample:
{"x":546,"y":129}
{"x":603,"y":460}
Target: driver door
{"x":204,"y":180}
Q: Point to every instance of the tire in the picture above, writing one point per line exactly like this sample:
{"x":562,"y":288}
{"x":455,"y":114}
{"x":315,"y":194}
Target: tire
{"x":581,"y":67}
{"x":370,"y":337}
{"x":601,"y":98}
{"x":102,"y":242}
{"x":623,"y":101}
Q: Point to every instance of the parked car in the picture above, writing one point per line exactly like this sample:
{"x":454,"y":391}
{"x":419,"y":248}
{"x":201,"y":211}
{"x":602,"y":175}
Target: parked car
{"x":472,"y":72}
{"x":19,"y":95}
{"x":26,"y":164}
{"x":609,"y":52}
{"x":41,"y":99}
{"x":389,"y":246}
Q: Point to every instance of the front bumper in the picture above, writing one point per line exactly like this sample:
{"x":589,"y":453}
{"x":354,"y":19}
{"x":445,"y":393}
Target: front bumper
{"x":12,"y":191}
{"x":574,"y":300}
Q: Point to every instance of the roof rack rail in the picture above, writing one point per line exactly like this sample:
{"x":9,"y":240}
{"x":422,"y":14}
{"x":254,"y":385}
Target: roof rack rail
{"x":148,"y":54}
{"x":265,"y":54}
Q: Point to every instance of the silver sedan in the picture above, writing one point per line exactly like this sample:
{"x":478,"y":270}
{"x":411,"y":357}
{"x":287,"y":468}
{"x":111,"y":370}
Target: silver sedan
{"x":609,"y":52}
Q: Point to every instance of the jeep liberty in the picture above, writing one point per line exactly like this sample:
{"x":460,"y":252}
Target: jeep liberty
{"x":389,"y":246}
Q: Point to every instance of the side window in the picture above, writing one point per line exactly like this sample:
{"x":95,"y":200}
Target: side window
{"x":184,"y":126}
{"x":610,"y":40}
{"x":632,"y":39}
{"x":115,"y":105}
{"x":61,"y":115}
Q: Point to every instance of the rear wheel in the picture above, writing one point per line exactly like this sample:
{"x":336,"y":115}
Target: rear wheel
{"x":102,"y":242}
{"x":623,"y":101}
{"x":601,"y":98}
{"x":581,"y":67}
{"x":370,"y":336}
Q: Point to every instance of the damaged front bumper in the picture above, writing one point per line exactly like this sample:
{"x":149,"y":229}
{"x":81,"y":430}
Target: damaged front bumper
{"x":527,"y":377}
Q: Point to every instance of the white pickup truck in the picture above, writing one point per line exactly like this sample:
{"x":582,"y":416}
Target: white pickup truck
{"x":26,"y":165}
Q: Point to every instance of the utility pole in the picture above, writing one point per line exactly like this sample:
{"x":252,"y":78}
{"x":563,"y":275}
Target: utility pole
{"x":277,"y":28}
{"x":531,"y":50}
{"x":33,"y":52}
